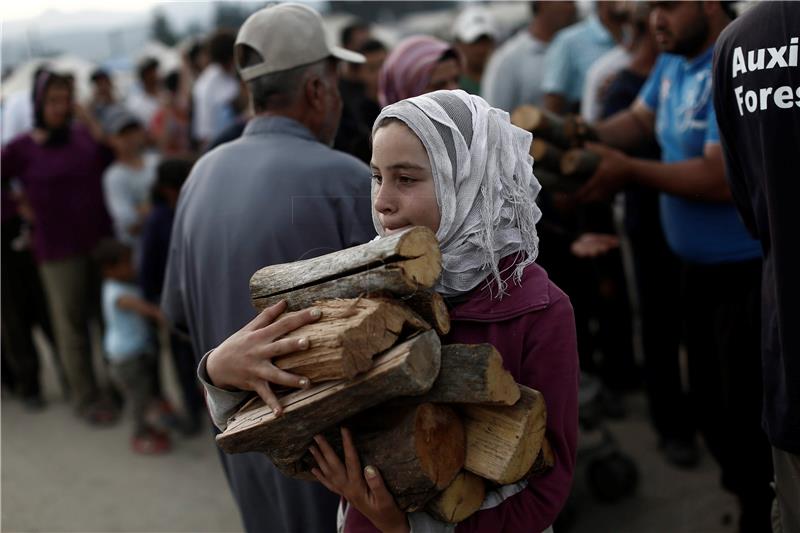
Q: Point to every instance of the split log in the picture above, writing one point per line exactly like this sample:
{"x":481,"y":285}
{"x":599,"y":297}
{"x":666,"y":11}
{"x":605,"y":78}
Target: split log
{"x":407,"y":369}
{"x":545,"y":461}
{"x":555,"y":182}
{"x":460,"y":500}
{"x":400,"y":264}
{"x":546,"y":156}
{"x":565,"y":132}
{"x":343,"y":342}
{"x":542,"y":123}
{"x":579,"y":164}
{"x":503,"y":442}
{"x":419,"y":450}
{"x":470,"y":373}
{"x":430,"y":306}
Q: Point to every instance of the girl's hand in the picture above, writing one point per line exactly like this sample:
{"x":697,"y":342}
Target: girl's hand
{"x":244,"y":360}
{"x":363,"y":490}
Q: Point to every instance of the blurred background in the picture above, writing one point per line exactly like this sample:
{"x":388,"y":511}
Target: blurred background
{"x":62,"y":475}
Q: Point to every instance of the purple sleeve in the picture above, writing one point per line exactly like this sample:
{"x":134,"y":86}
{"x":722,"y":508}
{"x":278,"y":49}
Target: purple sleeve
{"x":550,"y":366}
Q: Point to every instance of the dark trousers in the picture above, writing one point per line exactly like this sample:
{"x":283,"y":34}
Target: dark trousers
{"x":134,"y":377}
{"x":186,"y":369}
{"x":23,"y":307}
{"x":658,"y":279}
{"x":722,"y":309}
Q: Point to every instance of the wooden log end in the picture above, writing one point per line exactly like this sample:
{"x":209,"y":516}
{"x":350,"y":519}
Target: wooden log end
{"x":504,"y":389}
{"x":502,"y":441}
{"x":440,"y":443}
{"x":462,"y":498}
{"x":527,"y":117}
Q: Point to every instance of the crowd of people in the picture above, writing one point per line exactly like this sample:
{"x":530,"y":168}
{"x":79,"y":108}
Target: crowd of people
{"x":293,"y":148}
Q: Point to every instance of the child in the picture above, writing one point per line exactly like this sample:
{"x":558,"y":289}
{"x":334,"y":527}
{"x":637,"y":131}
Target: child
{"x":127,"y":182}
{"x":448,"y":161}
{"x":127,"y":341}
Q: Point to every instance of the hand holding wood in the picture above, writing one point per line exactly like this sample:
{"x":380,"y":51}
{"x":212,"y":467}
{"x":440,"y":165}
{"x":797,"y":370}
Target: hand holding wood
{"x":244,"y":360}
{"x":364,"y":490}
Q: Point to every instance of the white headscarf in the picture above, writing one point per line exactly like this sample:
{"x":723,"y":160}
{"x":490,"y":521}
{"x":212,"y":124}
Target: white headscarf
{"x":484,"y":181}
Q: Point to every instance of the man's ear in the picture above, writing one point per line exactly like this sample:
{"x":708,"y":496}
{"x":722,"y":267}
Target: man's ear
{"x":314,"y":93}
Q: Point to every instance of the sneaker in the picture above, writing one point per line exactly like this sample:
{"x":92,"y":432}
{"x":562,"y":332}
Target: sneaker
{"x":99,"y":414}
{"x":151,"y":442}
{"x":162,"y":415}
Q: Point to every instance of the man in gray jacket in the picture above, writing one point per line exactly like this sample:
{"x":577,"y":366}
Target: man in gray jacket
{"x":277,"y":194}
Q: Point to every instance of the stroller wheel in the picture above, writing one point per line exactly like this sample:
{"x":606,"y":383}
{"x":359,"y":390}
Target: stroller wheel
{"x":612,"y":477}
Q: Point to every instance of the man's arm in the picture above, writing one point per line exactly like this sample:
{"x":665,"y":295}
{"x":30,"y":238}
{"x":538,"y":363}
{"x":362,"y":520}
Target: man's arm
{"x":629,"y":128}
{"x":698,"y":178}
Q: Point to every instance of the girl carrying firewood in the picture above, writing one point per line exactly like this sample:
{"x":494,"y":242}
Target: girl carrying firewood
{"x":449,"y":161}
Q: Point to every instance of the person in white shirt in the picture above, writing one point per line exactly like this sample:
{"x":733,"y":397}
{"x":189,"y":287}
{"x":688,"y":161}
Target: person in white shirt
{"x":215,"y":91}
{"x":514,"y":74}
{"x":599,"y":77}
{"x":143,"y":100}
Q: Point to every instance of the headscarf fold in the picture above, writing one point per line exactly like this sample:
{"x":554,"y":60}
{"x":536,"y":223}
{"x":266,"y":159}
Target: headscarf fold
{"x":484,"y":183}
{"x":408,"y":68}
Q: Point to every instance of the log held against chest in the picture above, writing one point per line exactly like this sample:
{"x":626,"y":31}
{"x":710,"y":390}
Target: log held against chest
{"x":424,"y":414}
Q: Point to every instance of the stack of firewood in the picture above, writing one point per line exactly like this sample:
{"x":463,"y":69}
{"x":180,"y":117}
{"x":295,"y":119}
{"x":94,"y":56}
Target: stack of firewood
{"x":442,"y":423}
{"x":560,"y":162}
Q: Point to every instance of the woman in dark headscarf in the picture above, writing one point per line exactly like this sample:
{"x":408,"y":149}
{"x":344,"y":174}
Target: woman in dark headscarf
{"x":418,"y":65}
{"x":60,"y":166}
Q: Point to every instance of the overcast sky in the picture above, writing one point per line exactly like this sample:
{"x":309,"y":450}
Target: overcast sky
{"x":26,"y":9}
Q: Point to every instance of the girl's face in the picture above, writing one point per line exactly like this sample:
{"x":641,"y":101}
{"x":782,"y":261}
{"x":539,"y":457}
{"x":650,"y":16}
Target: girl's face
{"x":57,"y":106}
{"x":406,"y":195}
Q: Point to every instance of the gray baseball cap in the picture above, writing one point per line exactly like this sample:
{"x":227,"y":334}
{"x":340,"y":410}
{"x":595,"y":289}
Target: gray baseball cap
{"x":287,"y":36}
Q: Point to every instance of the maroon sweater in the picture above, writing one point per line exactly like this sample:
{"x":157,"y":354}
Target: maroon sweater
{"x":533,"y":327}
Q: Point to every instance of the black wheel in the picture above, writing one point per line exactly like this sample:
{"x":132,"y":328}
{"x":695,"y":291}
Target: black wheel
{"x":612,"y":477}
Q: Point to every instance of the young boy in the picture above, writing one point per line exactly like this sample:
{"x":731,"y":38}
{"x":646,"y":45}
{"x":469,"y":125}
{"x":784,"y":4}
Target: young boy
{"x":128,"y":343}
{"x":127,"y":182}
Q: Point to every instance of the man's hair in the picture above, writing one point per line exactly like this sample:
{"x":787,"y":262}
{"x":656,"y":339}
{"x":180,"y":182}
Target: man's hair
{"x":534,"y":5}
{"x":220,"y":47}
{"x":110,"y":252}
{"x":172,"y":81}
{"x":372,"y":45}
{"x":729,"y":7}
{"x":146,"y":65}
{"x":350,"y":29}
{"x":277,"y":90}
{"x":172,"y":173}
{"x":99,"y":74}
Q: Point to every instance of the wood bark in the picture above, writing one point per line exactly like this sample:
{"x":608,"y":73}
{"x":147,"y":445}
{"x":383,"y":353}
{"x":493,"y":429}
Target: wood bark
{"x":417,"y":449}
{"x":460,"y":500}
{"x":406,"y":260}
{"x":470,"y":373}
{"x":579,"y":164}
{"x":546,"y":156}
{"x":347,"y":336}
{"x":407,"y":369}
{"x":544,"y":462}
{"x":430,"y":306}
{"x":503,"y":442}
{"x":542,"y":123}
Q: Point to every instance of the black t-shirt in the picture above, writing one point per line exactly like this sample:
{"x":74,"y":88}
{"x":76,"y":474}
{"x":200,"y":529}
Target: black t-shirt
{"x":757,"y":100}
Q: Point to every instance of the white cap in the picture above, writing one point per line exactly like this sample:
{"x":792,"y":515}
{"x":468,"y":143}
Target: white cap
{"x":287,"y":36}
{"x":474,"y":22}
